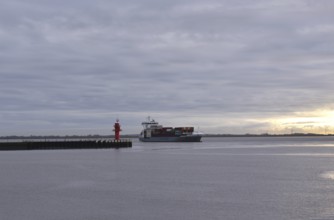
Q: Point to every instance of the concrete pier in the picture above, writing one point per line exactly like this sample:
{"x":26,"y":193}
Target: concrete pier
{"x":68,"y":144}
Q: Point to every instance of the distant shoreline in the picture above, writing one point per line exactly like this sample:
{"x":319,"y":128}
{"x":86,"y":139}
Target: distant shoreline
{"x":135,"y":136}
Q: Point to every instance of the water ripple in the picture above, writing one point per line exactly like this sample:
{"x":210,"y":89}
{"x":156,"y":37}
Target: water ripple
{"x":328,"y":175}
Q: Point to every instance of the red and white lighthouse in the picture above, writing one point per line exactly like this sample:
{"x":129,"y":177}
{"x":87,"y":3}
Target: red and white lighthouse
{"x":117,"y":129}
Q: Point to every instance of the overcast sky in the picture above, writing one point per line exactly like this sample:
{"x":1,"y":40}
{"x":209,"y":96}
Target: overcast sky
{"x":223,"y":66}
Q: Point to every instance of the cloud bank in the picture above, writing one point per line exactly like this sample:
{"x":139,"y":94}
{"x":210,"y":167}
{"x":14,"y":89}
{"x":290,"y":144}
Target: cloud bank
{"x":71,"y":67}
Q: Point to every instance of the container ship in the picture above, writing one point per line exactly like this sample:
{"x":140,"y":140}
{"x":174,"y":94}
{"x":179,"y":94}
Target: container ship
{"x":153,"y":132}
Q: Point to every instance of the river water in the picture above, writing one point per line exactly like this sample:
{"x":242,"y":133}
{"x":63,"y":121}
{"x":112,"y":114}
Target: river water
{"x":219,"y":178}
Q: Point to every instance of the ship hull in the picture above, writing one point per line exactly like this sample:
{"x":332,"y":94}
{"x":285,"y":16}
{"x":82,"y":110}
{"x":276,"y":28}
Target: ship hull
{"x":189,"y":138}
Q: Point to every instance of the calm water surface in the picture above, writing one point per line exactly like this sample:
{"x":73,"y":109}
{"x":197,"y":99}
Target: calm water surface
{"x":220,"y":178}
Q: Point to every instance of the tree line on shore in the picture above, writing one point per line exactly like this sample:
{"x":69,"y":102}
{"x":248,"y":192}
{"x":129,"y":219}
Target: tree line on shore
{"x":96,"y":136}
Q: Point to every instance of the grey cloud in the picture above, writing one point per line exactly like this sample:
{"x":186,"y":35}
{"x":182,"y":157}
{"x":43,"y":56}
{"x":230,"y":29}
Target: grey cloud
{"x":142,"y":57}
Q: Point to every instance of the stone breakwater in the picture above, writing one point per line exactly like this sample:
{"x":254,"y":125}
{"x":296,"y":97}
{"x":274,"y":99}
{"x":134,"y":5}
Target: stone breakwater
{"x":53,"y":145}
